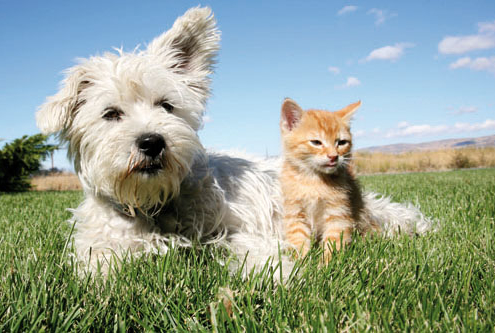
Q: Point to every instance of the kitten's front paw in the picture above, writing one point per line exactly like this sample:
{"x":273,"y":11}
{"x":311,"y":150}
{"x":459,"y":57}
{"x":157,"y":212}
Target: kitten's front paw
{"x":331,"y":245}
{"x":327,"y":255}
{"x":299,"y":253}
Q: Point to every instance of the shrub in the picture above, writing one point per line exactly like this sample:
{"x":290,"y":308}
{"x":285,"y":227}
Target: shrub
{"x":21,"y":158}
{"x":460,"y":161}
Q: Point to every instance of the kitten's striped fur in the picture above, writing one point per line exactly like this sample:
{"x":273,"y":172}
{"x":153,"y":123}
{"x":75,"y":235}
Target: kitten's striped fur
{"x":322,"y":198}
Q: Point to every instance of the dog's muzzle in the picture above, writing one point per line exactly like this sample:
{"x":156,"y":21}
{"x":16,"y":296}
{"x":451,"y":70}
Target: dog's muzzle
{"x":151,"y":144}
{"x":152,"y":147}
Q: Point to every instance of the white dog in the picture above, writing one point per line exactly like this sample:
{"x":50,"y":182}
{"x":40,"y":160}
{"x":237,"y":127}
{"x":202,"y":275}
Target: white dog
{"x":131,"y":121}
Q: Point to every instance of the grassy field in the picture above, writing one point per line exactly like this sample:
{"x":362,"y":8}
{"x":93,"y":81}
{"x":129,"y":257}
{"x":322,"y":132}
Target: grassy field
{"x":442,"y":281}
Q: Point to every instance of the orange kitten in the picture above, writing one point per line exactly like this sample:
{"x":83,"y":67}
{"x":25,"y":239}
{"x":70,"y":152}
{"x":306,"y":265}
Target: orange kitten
{"x":322,"y":199}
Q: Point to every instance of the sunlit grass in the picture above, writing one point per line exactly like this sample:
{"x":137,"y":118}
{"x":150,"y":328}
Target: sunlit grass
{"x":442,"y":281}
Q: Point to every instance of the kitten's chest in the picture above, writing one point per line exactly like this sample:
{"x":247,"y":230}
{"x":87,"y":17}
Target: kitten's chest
{"x":316,"y":197}
{"x":315,"y":211}
{"x":317,"y":202}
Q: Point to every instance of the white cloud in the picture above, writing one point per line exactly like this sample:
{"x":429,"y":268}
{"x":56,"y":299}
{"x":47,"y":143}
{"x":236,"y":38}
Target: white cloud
{"x":488,"y":124}
{"x":461,"y":62}
{"x":485,"y":39}
{"x":334,"y":70}
{"x":486,"y":27}
{"x":381,"y":15}
{"x":464,"y":44}
{"x":426,"y":129}
{"x":389,"y":52}
{"x":346,"y":10}
{"x":478,"y":64}
{"x":465,"y":109}
{"x":352,"y":82}
{"x":416,"y":130}
{"x":206,"y":119}
{"x":359,"y":134}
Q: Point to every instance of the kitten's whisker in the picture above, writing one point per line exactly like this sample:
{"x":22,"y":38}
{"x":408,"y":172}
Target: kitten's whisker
{"x":361,"y":158}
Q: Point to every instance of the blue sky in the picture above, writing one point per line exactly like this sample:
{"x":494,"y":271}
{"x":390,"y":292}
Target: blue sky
{"x":424,"y":70}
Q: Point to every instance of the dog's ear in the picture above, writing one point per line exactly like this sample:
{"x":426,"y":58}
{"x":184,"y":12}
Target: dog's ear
{"x":56,"y":113}
{"x":190,"y":47}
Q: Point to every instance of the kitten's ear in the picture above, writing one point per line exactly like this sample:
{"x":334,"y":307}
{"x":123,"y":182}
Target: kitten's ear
{"x":347,"y":112}
{"x":56,"y":113}
{"x":291,"y":115}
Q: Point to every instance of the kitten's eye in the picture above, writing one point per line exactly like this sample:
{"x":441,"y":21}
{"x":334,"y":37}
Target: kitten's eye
{"x":166,"y":105}
{"x":316,"y":143}
{"x":112,"y":114}
{"x":342,"y":142}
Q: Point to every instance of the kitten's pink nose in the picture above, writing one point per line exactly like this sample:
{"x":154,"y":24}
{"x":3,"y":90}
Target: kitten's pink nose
{"x":333,"y":158}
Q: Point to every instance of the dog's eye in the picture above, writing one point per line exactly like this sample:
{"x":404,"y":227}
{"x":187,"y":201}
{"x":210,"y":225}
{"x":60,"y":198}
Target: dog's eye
{"x":112,"y":114}
{"x":166,"y":105}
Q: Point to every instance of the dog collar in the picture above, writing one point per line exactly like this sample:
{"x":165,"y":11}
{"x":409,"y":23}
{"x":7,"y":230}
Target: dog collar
{"x":132,"y":212}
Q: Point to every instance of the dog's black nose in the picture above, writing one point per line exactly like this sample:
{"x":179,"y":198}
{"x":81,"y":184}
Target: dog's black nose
{"x":151,"y":144}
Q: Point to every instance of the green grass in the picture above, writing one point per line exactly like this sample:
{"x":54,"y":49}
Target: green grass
{"x":443,"y":281}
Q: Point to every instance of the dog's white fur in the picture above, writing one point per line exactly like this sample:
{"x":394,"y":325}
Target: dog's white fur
{"x":196,"y":195}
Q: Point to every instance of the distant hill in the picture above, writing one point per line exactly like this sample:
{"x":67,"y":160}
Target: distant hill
{"x":484,"y":141}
